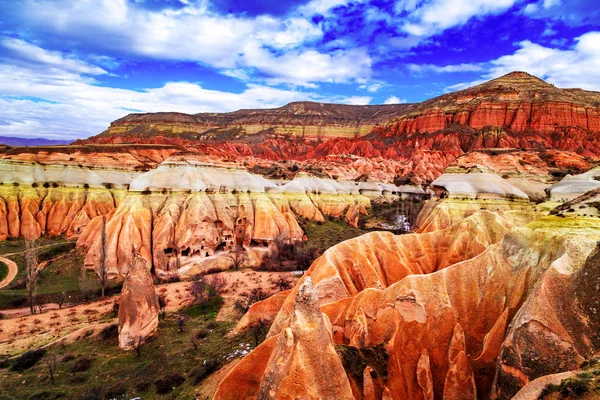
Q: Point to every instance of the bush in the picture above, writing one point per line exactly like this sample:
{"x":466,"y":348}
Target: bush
{"x":203,"y":290}
{"x":212,"y":325}
{"x":142,"y":386}
{"x":168,"y":382}
{"x":115,"y":391}
{"x":28,"y":360}
{"x":68,"y":357}
{"x":5,"y":363}
{"x":209,"y":366}
{"x":95,"y":393}
{"x":109,"y":332}
{"x":81,"y":364}
{"x":201,"y":334}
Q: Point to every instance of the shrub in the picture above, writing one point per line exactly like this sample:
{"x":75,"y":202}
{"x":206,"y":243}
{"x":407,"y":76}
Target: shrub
{"x":168,"y":382}
{"x":207,"y":368}
{"x":142,"y":386}
{"x":203,"y":290}
{"x":68,"y":357}
{"x":116,"y":390}
{"x":201,"y":334}
{"x":109,"y":332}
{"x":28,"y":360}
{"x":81,"y":364}
{"x":212,"y":325}
{"x":95,"y":393}
{"x":5,"y":363}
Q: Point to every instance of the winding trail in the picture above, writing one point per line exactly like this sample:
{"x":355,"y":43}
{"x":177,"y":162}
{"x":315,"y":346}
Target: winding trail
{"x":13,"y":269}
{"x":12,"y":272}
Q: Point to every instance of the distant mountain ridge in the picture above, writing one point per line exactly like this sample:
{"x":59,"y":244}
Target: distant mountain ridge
{"x":17,"y":141}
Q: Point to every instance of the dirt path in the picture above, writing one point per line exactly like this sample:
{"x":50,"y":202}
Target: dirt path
{"x":12,"y":272}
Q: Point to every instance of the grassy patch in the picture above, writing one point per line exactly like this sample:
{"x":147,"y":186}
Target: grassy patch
{"x":323,"y":235}
{"x":64,"y":274}
{"x":121,"y":373}
{"x":3,"y":270}
{"x":207,"y":311}
{"x":17,"y":245}
{"x":584,"y":383}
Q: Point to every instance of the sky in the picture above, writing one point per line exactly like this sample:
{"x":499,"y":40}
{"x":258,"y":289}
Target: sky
{"x":68,"y":68}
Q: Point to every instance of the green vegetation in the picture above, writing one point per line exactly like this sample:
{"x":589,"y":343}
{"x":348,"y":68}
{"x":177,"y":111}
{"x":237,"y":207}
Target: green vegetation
{"x":184,"y":358}
{"x":323,"y":235}
{"x":10,"y":246}
{"x":585,"y":384}
{"x":63,"y":275}
{"x":3,"y":270}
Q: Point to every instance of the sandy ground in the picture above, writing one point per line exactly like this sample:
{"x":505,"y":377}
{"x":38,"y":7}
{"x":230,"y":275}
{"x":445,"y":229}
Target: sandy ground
{"x":12,"y":272}
{"x":22,"y":332}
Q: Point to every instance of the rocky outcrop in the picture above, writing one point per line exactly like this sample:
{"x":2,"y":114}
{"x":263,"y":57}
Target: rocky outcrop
{"x":516,"y":101}
{"x":516,"y":111}
{"x":138,"y":305}
{"x":29,"y":211}
{"x":184,"y":212}
{"x":303,"y":362}
{"x":302,"y":119}
{"x":448,"y":326}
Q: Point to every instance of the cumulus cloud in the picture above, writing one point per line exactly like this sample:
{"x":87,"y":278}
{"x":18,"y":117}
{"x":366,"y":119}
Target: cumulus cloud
{"x":576,"y":67}
{"x":277,"y":47}
{"x":421,"y":68}
{"x":429,"y":17}
{"x":394,"y":100}
{"x":19,"y":50}
{"x":61,"y":103}
{"x":570,"y":12}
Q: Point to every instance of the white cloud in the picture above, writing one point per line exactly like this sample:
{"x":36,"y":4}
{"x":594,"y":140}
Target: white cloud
{"x":278,"y":47}
{"x":30,"y":53}
{"x":577,"y":67}
{"x":372,"y":87}
{"x":430,"y":17}
{"x":394,"y":100}
{"x":444,"y":69}
{"x":60,"y":103}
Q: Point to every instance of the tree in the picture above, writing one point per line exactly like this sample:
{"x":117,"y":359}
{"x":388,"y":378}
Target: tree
{"x":60,"y":299}
{"x":258,"y":330}
{"x":40,"y":303}
{"x":51,"y":363}
{"x":137,"y":345}
{"x":247,"y":299}
{"x":162,"y":304}
{"x":102,"y":268}
{"x":194,"y":342}
{"x":32,"y":271}
{"x":282,"y":284}
{"x":204,"y":290}
{"x":238,"y":259}
{"x":181,"y":323}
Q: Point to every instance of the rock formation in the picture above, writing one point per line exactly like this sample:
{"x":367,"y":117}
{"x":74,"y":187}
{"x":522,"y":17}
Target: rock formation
{"x":303,"y":119}
{"x":185,"y":211}
{"x":516,"y":111}
{"x":138,"y":305}
{"x":447,"y":319}
{"x":303,"y":361}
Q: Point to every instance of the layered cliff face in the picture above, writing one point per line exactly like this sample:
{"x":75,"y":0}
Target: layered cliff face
{"x":517,"y":102}
{"x":515,"y":111}
{"x":59,"y":190}
{"x":303,"y":119}
{"x":469,"y":308}
{"x":182,"y":215}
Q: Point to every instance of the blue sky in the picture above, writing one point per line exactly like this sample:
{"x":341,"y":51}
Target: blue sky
{"x":69,"y":68}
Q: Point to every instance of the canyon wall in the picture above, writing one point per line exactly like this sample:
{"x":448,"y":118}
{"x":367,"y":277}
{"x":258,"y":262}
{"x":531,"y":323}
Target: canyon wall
{"x":475,"y":308}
